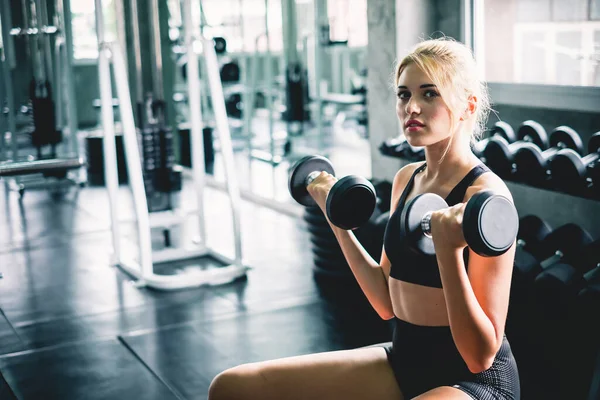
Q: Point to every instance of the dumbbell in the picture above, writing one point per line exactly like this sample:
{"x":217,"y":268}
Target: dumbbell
{"x":564,"y":244}
{"x":570,"y":276}
{"x":501,"y":129}
{"x":572,"y":173}
{"x":499,"y":154}
{"x":490,"y":223}
{"x":533,"y":164}
{"x":532,"y":232}
{"x":350,"y":202}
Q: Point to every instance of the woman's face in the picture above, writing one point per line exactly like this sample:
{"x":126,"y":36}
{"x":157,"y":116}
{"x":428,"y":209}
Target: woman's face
{"x":424,"y":116}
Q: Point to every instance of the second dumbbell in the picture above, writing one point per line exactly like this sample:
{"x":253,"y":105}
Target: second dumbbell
{"x":350,"y":202}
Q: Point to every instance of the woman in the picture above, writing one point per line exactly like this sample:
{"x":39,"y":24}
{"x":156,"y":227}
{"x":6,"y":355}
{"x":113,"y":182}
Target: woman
{"x":449,"y":310}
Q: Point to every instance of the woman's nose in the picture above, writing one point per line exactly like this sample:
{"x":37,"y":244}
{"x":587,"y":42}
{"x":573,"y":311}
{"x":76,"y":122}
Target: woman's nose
{"x":412,"y":106}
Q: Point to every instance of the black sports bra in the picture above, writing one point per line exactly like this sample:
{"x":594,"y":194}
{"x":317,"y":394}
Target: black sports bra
{"x":408,"y":265}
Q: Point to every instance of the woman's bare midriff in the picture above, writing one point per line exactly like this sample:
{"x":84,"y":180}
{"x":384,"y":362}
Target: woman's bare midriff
{"x":417,"y":304}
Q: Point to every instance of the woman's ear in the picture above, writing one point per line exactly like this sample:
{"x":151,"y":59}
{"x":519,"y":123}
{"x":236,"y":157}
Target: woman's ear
{"x":471,"y":108}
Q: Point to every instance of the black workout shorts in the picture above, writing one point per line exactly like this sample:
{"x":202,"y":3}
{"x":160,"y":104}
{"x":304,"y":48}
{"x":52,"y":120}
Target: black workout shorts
{"x":424,"y":358}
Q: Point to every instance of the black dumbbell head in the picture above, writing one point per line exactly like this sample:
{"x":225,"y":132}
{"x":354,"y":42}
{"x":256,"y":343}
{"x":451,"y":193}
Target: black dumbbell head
{"x":531,"y":164}
{"x":568,"y":239}
{"x":532,"y":230}
{"x":504,"y":130}
{"x":498,"y":156}
{"x":568,"y":171}
{"x":351,"y":202}
{"x":564,"y":136}
{"x":490,"y":223}
{"x":534,"y":132}
{"x":411,"y":217}
{"x":299,"y":173}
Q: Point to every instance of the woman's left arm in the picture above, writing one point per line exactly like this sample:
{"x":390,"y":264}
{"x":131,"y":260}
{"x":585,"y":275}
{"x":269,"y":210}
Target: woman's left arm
{"x":477,"y":301}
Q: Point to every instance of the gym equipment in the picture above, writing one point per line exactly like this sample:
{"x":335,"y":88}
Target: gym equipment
{"x":95,"y":159}
{"x":47,"y":167}
{"x":490,"y":223}
{"x":533,"y":164}
{"x":573,"y":174}
{"x":53,"y":112}
{"x":220,"y":45}
{"x":567,"y":278}
{"x":501,"y":129}
{"x":532,"y":232}
{"x":350,"y":202}
{"x":44,"y":118}
{"x":499,"y":154}
{"x":563,"y":245}
{"x":234,"y":105}
{"x":170,"y":222}
{"x":230,"y":72}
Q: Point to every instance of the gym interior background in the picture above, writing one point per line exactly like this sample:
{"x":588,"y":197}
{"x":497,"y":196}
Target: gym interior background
{"x":144,"y":265}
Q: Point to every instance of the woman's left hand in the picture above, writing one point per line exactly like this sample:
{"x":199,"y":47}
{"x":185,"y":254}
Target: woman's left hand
{"x":446,"y":228}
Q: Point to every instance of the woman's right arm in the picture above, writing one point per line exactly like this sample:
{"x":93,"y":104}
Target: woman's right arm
{"x":371,"y":276}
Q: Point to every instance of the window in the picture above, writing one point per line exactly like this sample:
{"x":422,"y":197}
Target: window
{"x":548,"y":42}
{"x":83,"y":21}
{"x":348,"y":21}
{"x":241,"y":22}
{"x":538,"y":53}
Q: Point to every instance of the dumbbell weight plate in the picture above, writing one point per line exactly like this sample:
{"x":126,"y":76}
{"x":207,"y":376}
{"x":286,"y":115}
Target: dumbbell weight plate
{"x":411,"y":217}
{"x":594,"y":143}
{"x":568,"y":171}
{"x":532,"y":230}
{"x":504,"y":130}
{"x":564,"y":136}
{"x":300,"y":171}
{"x":535,"y":133}
{"x":351,"y":202}
{"x":490,"y":223}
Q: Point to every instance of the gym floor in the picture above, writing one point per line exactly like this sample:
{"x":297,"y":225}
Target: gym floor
{"x":73,"y":327}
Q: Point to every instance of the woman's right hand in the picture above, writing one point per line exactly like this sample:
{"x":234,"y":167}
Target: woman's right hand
{"x":319,"y":189}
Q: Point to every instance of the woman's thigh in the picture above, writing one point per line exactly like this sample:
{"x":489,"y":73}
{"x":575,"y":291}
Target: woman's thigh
{"x":348,"y":374}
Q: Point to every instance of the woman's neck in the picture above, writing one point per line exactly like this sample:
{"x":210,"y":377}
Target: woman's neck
{"x":447,"y":156}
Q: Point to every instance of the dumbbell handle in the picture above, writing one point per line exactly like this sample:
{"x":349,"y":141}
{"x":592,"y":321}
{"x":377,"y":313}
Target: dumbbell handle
{"x":426,"y":224}
{"x":312,"y":176}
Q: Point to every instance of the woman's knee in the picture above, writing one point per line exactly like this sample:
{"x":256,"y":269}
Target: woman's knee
{"x":234,"y":383}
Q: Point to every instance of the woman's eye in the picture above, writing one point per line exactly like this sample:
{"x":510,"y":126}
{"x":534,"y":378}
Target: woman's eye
{"x":403,"y":95}
{"x":431,"y":93}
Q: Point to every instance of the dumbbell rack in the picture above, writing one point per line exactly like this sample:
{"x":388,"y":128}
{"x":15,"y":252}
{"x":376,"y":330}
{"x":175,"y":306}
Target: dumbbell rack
{"x":141,"y":264}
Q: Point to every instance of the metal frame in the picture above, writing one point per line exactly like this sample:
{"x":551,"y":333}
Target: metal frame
{"x":9,"y":63}
{"x":142,"y":268}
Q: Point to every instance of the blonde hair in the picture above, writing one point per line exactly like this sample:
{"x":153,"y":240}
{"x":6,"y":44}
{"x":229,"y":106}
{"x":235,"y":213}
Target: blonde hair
{"x":452,"y":68}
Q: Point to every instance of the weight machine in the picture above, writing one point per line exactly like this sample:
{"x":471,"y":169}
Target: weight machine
{"x":171,"y":220}
{"x":49,"y":107}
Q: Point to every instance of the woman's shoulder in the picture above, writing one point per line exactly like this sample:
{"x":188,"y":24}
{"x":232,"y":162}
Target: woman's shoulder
{"x":488,"y":181}
{"x":403,"y":175}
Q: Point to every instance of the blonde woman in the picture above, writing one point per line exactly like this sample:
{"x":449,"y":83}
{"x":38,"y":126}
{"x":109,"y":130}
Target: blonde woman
{"x":449,"y":310}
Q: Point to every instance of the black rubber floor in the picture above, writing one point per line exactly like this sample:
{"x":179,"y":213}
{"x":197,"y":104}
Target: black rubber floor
{"x":74,"y":327}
